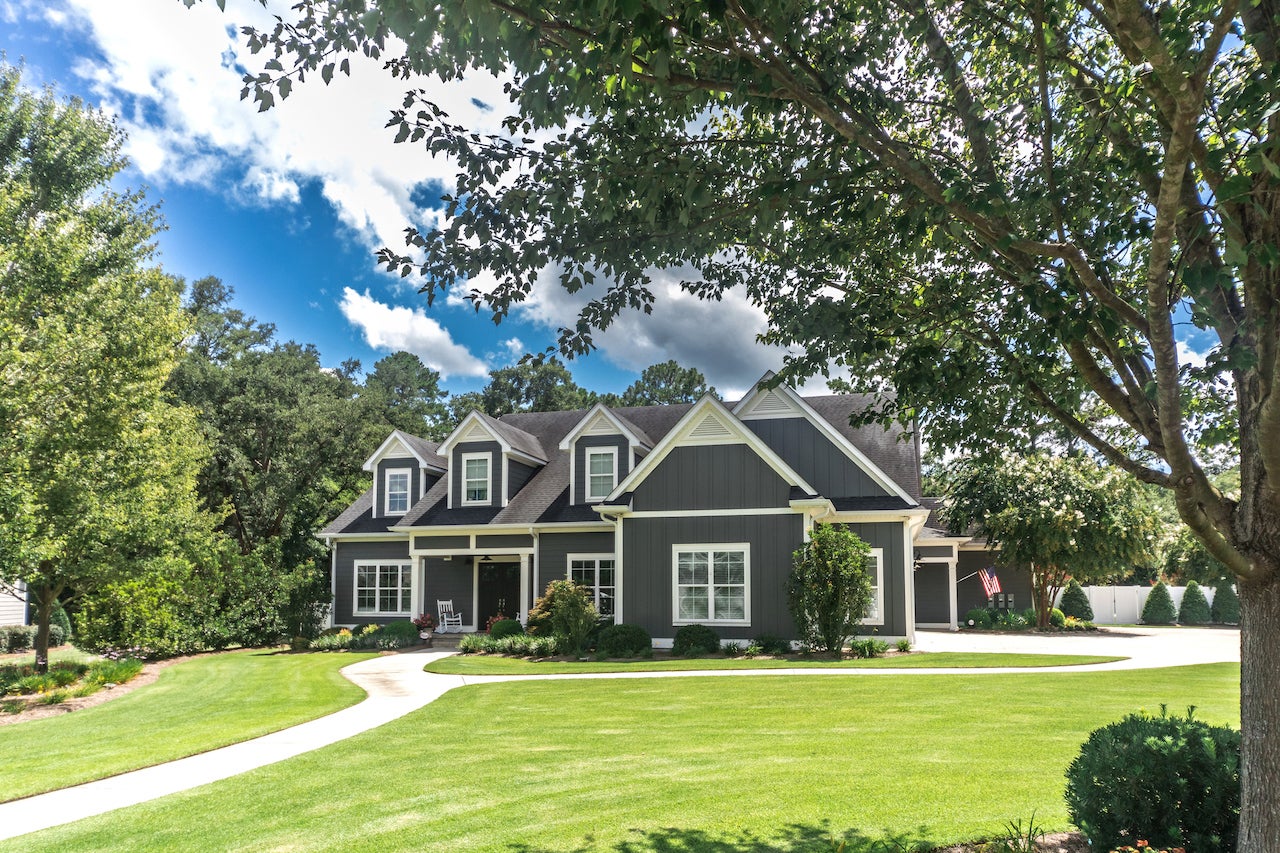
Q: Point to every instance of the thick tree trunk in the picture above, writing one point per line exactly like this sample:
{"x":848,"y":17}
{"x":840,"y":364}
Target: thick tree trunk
{"x":45,"y":599}
{"x":1260,"y":716}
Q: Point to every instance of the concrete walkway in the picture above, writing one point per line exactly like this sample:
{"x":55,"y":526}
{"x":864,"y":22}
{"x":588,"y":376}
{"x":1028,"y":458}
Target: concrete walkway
{"x":397,"y":685}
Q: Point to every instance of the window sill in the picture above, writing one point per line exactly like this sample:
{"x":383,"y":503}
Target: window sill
{"x":729,"y":623}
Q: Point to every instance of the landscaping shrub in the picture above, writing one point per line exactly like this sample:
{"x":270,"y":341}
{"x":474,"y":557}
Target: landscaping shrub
{"x":1163,"y":780}
{"x":1159,"y":607}
{"x":21,"y":637}
{"x":565,"y":609}
{"x":1075,"y":603}
{"x":693,"y":640}
{"x":624,"y":641}
{"x":978,"y":618}
{"x":869,"y":648}
{"x":1074,"y":624}
{"x":733,"y":649}
{"x":4,"y":640}
{"x":1195,"y":607}
{"x":1226,"y":604}
{"x":113,"y":671}
{"x":60,"y":619}
{"x":393,"y":635}
{"x":1056,"y":618}
{"x":332,"y":642}
{"x":771,"y":644}
{"x":1007,"y":620}
{"x":829,"y":588}
{"x":520,"y":645}
{"x":505,"y":628}
{"x":904,"y":645}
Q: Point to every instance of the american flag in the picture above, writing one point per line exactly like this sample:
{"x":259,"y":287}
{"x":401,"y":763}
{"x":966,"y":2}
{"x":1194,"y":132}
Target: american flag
{"x":990,"y":583}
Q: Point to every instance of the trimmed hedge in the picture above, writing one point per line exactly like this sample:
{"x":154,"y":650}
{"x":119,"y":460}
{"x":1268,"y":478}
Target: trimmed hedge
{"x":695,"y":640}
{"x":1075,"y":603}
{"x":505,"y":628}
{"x":1195,"y":607}
{"x":1226,"y":604}
{"x":1159,"y":607}
{"x":624,"y":641}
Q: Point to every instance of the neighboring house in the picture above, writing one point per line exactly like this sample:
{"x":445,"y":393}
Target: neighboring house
{"x":669,"y":515}
{"x":13,"y":604}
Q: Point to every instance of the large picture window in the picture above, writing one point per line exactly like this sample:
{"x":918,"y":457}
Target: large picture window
{"x":602,"y":468}
{"x":397,"y":492}
{"x":475,"y":478}
{"x":384,"y":588}
{"x":712,"y":583}
{"x":597,"y":575}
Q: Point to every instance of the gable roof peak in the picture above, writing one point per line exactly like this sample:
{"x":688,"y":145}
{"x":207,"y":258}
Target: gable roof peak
{"x":510,"y":437}
{"x":613,"y":421}
{"x":426,"y":452}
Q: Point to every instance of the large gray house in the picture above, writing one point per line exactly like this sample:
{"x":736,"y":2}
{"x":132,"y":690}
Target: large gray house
{"x":669,"y":515}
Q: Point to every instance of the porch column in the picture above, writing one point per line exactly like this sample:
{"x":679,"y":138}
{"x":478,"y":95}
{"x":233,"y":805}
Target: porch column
{"x":524,"y":589}
{"x":951,"y":585}
{"x":417,"y":586}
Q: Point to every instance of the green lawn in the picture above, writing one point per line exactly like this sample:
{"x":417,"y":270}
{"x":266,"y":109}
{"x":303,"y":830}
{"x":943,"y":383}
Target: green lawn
{"x":193,"y":707}
{"x":498,"y":665}
{"x":682,"y":764}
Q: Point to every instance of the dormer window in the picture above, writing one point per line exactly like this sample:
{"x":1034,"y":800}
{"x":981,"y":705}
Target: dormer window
{"x":602,"y":472}
{"x":476,"y":479}
{"x":397,"y":491}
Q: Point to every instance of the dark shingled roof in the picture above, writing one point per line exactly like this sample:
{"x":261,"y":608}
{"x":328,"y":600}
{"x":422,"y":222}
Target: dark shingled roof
{"x":544,"y":499}
{"x":427,"y":450}
{"x":358,"y":518}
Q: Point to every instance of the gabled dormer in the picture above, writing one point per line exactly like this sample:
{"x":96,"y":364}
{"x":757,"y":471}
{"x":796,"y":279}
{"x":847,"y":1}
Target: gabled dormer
{"x":812,"y":445}
{"x":489,"y":461}
{"x":403,"y":468}
{"x":603,"y":448}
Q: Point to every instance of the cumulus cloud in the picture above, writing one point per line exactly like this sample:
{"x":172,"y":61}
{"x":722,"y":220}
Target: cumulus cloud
{"x":395,"y":327}
{"x":1187,"y":355}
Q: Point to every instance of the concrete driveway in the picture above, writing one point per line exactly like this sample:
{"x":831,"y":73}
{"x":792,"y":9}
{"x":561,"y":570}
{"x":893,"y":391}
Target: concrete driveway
{"x":1145,"y":647}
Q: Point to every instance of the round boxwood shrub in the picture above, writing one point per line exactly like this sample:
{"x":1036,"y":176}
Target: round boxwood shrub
{"x":505,"y":628}
{"x":1195,"y":607}
{"x":623,"y":641}
{"x":695,"y":640}
{"x":1075,"y":603}
{"x":1159,"y":607}
{"x":978,"y":618}
{"x":1226,"y":604}
{"x":1057,"y":618}
{"x":1171,"y":781}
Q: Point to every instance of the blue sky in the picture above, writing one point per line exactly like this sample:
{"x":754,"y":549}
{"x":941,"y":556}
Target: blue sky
{"x":289,"y":206}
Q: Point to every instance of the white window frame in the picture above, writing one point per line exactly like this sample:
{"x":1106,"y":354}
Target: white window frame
{"x":676,"y":550}
{"x":594,"y":589}
{"x":463,"y":458}
{"x":877,"y":589}
{"x":408,"y":489}
{"x":612,"y":453}
{"x":377,"y":566}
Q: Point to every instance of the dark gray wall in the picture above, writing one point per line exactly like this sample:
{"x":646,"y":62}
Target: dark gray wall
{"x":715,"y":476}
{"x":933,"y":593}
{"x":553,"y":551}
{"x":887,"y":535}
{"x":518,"y":474}
{"x":969,"y":593}
{"x":495,"y":469}
{"x":452,"y":579}
{"x":646,"y":569}
{"x":415,"y":482}
{"x":944,"y":551}
{"x":436,"y":543}
{"x":506,"y":540}
{"x":347,"y":554}
{"x":823,"y":465}
{"x":580,"y":460}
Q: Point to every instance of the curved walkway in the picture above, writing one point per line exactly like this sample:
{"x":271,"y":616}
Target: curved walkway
{"x":396,"y":685}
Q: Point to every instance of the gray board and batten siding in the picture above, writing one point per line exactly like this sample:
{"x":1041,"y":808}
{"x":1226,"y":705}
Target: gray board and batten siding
{"x":969,"y":591}
{"x":554,"y":550}
{"x":452,"y":579}
{"x":933,"y":594}
{"x":495,"y":469}
{"x":517,"y":475}
{"x":717,"y":476}
{"x":812,"y":455}
{"x":619,"y":442}
{"x":345,"y":556}
{"x":416,"y":487}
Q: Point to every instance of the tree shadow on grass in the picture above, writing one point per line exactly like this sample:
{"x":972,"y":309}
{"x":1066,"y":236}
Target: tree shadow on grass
{"x":795,"y":838}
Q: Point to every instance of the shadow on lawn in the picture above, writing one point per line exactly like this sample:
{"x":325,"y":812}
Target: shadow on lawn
{"x":796,"y":838}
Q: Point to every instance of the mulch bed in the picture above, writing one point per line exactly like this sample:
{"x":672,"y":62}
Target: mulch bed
{"x":35,"y":711}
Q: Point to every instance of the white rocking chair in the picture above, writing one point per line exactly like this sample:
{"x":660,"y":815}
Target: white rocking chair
{"x":450,"y":619}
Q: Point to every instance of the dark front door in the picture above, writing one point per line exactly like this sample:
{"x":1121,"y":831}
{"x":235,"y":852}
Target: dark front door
{"x":499,"y":592}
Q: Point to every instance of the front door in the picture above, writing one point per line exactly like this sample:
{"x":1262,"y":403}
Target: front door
{"x":499,"y":592}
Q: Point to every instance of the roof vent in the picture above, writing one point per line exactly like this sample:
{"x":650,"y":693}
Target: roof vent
{"x":601,"y":425}
{"x":771,"y":404}
{"x":477,"y":433}
{"x":711,"y":427}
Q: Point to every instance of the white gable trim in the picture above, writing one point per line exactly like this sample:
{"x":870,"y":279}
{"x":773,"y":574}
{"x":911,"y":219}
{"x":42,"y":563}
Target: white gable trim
{"x":696,"y":420}
{"x":754,"y":398}
{"x":385,"y":451}
{"x":463,"y":433}
{"x":596,"y":411}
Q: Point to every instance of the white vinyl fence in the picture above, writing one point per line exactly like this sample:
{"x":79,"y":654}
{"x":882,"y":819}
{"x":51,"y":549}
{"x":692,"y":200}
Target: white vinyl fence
{"x":1122,"y":605}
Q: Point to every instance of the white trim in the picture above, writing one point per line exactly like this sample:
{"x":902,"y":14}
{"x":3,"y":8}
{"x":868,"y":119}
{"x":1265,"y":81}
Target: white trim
{"x":633,"y":440}
{"x":456,"y":437}
{"x":470,"y":552}
{"x":878,"y":553}
{"x":463,"y":458}
{"x":703,"y":513}
{"x":506,"y":477}
{"x":523,"y":615}
{"x":832,"y":434}
{"x":356,"y":565}
{"x":333,"y":584}
{"x":606,"y":450}
{"x":677,"y":549}
{"x":596,"y":558}
{"x":359,"y":537}
{"x":617,"y":568}
{"x":386,"y":491}
{"x":487,"y":529}
{"x":396,"y":435}
{"x":678,"y":436}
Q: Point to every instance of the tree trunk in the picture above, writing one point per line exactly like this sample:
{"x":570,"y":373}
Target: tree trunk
{"x":45,"y":599}
{"x":1260,"y":716}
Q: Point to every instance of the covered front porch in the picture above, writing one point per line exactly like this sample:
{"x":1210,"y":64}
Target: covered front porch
{"x":484,"y":576}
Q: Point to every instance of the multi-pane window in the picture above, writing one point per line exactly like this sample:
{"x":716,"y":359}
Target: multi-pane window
{"x":475,"y":478}
{"x":875,"y":570}
{"x":711,"y":583}
{"x":596,"y":575}
{"x":384,"y":587}
{"x":397,"y":492}
{"x":602,"y":466}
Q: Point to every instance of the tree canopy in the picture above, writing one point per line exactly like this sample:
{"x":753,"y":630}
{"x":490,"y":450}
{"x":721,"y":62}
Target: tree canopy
{"x":664,"y":384}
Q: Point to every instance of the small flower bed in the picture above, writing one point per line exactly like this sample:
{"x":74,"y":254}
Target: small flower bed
{"x":981,"y":619}
{"x":63,"y":681}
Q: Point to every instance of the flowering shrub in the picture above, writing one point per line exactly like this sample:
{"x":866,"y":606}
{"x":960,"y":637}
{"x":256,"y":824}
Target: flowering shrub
{"x":425,"y":622}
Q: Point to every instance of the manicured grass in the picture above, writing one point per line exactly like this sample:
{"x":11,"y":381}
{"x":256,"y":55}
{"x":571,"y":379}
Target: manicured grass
{"x":58,"y":655}
{"x":681,"y":764}
{"x":192,"y":707}
{"x":498,"y":665}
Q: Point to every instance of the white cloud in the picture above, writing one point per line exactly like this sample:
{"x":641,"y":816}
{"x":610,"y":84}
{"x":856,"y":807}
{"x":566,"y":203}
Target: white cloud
{"x":395,"y":327}
{"x":1187,"y":355}
{"x":170,"y":74}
